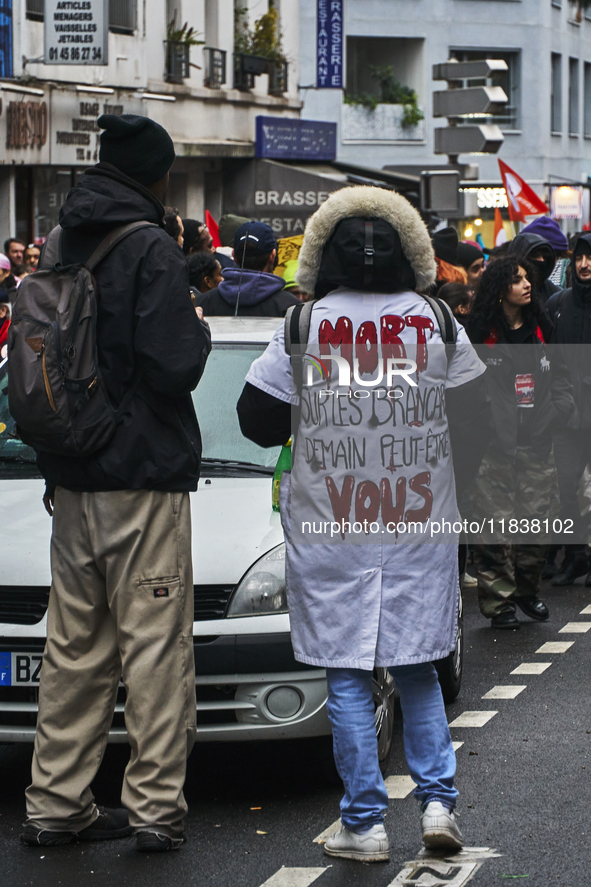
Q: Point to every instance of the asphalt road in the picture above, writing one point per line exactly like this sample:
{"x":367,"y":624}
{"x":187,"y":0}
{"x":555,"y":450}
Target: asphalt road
{"x":523,"y":778}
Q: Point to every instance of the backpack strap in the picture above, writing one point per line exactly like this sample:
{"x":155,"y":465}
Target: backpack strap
{"x":112,"y":239}
{"x":445,"y":319}
{"x":297,"y":324}
{"x":52,"y":249}
{"x":297,"y":332}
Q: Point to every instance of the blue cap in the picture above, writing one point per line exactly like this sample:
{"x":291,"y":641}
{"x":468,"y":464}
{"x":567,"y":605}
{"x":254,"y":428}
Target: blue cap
{"x":258,"y":236}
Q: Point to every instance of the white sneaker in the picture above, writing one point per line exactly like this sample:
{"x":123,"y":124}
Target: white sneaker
{"x":440,"y":828}
{"x":469,"y":581}
{"x":371,"y":846}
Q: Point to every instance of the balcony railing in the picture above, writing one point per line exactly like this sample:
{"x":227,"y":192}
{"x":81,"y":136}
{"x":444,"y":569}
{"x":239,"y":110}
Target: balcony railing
{"x":247,"y":67}
{"x":215,"y":67}
{"x":177,"y":61}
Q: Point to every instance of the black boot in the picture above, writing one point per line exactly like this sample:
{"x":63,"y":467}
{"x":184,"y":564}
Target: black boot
{"x":573,"y":566}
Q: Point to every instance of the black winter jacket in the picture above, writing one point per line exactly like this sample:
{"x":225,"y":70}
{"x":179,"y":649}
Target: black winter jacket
{"x":571,"y":312}
{"x":553,"y":402}
{"x":145,"y":321}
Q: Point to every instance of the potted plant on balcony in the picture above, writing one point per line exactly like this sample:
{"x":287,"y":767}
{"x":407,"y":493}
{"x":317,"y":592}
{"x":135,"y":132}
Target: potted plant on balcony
{"x":259,"y":51}
{"x":581,"y":7}
{"x":390,"y":113}
{"x":178,"y":45}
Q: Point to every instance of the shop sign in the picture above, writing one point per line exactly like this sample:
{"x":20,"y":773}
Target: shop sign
{"x":76,"y":32}
{"x":6,"y":39}
{"x":281,"y":195}
{"x":59,"y":127}
{"x":26,"y":124}
{"x":329,"y":44}
{"x":282,"y":138}
{"x":488,"y":198}
{"x":567,"y":202}
{"x":75,"y":133}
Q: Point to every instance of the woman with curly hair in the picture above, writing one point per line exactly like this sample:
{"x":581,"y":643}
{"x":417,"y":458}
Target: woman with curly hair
{"x":516,"y":479}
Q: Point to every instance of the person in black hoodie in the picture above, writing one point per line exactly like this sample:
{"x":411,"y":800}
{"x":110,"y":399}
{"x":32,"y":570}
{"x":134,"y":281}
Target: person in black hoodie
{"x":121,"y":603}
{"x":251,"y":289}
{"x":528,"y":394}
{"x":571,"y":312}
{"x":537,"y":250}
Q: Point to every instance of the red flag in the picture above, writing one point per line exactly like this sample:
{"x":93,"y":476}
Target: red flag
{"x":500,"y":233}
{"x":213,"y":228}
{"x":522,"y":200}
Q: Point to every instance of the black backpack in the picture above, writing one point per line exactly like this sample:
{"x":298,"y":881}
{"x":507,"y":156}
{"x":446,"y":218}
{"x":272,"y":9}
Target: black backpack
{"x":55,"y":391}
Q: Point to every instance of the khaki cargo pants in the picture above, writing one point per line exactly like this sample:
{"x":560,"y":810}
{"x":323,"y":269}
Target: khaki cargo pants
{"x":121,"y":607}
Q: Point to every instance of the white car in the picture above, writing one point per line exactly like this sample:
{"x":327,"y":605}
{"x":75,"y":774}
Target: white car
{"x":249,"y":685}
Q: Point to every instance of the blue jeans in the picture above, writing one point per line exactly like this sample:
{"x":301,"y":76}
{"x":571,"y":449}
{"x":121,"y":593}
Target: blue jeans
{"x":427,"y":742}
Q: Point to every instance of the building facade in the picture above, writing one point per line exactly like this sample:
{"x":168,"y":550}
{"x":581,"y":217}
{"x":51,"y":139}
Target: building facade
{"x":388,"y":44}
{"x":207,"y":94}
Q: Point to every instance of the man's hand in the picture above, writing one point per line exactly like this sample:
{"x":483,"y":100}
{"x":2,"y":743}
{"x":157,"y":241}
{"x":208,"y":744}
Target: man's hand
{"x":48,"y":502}
{"x":199,"y":312}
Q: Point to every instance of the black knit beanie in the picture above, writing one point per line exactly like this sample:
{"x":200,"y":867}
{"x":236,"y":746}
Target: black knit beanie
{"x":467,"y":254}
{"x":137,"y":146}
{"x":445,"y":244}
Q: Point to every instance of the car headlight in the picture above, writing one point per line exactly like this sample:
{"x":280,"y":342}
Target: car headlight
{"x":262,"y":590}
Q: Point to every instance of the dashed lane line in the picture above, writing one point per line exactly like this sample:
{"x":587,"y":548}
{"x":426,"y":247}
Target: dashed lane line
{"x":575,"y":628}
{"x":327,"y":833}
{"x":555,"y":647}
{"x":586,"y":611}
{"x":473,"y":719}
{"x":457,"y":745}
{"x":399,"y":786}
{"x":294,"y":877}
{"x":531,"y":668}
{"x":506,"y":691}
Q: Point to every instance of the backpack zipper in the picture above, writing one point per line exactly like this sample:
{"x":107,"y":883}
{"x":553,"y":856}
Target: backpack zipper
{"x":47,"y":385}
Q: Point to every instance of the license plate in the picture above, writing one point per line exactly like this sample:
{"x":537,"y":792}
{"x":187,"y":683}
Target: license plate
{"x":20,"y":669}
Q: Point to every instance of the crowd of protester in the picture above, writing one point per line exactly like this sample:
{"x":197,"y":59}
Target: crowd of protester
{"x":533,"y":290}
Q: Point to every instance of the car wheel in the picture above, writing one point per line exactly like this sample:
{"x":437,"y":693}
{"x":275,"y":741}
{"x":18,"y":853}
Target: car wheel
{"x":383,"y":700}
{"x":449,"y":670}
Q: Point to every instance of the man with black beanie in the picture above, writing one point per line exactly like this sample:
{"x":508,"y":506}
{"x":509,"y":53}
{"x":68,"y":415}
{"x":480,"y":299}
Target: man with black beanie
{"x":121,"y":602}
{"x":471,"y":259}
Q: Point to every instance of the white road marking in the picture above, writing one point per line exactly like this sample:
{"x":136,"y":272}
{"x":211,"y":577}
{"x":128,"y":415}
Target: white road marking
{"x":555,"y":647}
{"x":531,"y":668}
{"x":468,"y":854}
{"x":575,"y":628}
{"x":300,"y":877}
{"x":399,"y":786}
{"x":473,"y":719}
{"x":433,"y":872}
{"x":327,"y":833}
{"x":586,"y":611}
{"x":457,"y":745}
{"x":508,"y":691}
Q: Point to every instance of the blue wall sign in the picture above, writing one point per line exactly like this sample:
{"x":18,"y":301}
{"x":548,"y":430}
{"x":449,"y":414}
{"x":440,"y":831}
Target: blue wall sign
{"x":280,"y":138}
{"x":5,"y":38}
{"x":329,"y":44}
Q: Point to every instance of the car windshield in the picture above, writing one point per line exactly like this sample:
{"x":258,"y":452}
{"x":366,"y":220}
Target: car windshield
{"x":16,"y":458}
{"x":215,"y":401}
{"x":225,"y":450}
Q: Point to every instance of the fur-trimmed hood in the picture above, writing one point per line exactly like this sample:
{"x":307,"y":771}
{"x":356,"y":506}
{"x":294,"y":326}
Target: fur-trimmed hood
{"x":368,"y":203}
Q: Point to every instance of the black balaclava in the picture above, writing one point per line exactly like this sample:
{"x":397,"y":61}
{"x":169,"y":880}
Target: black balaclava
{"x":581,"y":289}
